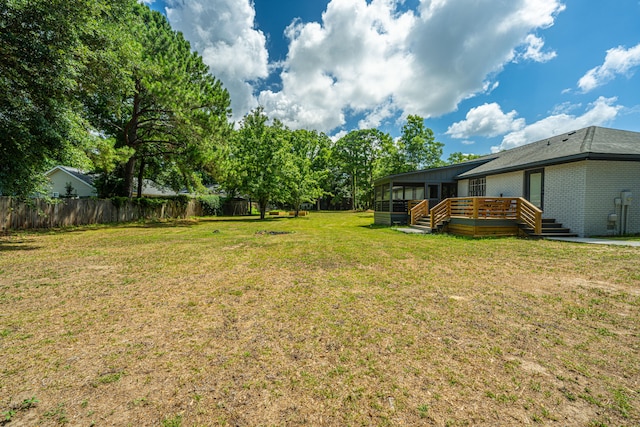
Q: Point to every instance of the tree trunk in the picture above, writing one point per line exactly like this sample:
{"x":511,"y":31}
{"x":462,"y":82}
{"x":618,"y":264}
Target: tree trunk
{"x":263,"y":208}
{"x":131,"y":140}
{"x":353,"y":193}
{"x":129,"y":170}
{"x":140,"y":178}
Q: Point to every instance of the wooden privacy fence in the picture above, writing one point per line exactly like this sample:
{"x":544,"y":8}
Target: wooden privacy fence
{"x":38,"y":213}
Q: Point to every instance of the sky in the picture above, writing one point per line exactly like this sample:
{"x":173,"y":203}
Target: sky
{"x":486,"y":75}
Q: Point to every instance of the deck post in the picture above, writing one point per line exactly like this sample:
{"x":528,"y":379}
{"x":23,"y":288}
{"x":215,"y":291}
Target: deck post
{"x":475,"y":207}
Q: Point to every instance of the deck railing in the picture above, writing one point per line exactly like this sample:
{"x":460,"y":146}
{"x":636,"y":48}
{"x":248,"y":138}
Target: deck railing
{"x":418,"y":209}
{"x":511,"y":208}
{"x":440,"y":213}
{"x":530,"y":214}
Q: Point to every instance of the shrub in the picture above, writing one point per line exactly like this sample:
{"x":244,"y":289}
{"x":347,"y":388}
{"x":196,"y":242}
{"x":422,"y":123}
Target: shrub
{"x":211,"y":205}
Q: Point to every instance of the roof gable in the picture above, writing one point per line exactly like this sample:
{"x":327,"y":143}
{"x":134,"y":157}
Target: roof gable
{"x":73,"y":172}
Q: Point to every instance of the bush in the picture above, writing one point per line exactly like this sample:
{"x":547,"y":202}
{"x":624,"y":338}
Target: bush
{"x":211,"y":205}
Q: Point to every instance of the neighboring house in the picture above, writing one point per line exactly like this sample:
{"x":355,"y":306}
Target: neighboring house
{"x":60,"y":177}
{"x":82,"y":184}
{"x":586,"y":179}
{"x":153,"y":189}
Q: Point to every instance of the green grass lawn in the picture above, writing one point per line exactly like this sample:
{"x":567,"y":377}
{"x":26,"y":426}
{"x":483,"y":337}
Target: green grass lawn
{"x":321,"y":320}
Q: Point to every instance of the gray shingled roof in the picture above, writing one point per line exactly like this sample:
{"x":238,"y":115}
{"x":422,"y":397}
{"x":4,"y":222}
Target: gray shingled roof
{"x":82,"y":176}
{"x":594,"y":142}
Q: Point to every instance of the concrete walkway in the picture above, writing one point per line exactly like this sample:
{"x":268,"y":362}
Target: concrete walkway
{"x":409,"y":230}
{"x":596,"y":241}
{"x":635,"y":243}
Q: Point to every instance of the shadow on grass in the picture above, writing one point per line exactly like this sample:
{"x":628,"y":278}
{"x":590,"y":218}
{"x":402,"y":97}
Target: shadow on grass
{"x":376,"y":227}
{"x":254,"y":218}
{"x":7,"y":247}
{"x":188,"y":223}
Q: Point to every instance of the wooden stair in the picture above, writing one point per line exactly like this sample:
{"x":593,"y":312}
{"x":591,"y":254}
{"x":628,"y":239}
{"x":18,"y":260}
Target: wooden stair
{"x":550,"y":228}
{"x":423,"y":224}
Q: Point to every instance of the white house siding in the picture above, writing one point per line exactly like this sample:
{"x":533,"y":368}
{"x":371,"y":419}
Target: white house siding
{"x":564,"y":195}
{"x":463,"y":188}
{"x":59,"y":180}
{"x":508,"y":184}
{"x":605,"y":181}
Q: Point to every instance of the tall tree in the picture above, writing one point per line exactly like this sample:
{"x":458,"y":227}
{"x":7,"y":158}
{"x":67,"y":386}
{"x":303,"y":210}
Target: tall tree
{"x":170,"y":112}
{"x":304,"y":171}
{"x":357,"y":153}
{"x":258,"y":155}
{"x":417,"y":146}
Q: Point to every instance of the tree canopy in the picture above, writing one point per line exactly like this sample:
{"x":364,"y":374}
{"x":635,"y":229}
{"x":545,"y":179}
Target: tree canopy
{"x":42,"y":57}
{"x":109,"y":86}
{"x":170,"y":112}
{"x":102,"y":81}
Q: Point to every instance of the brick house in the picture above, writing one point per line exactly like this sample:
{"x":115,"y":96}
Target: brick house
{"x":586,"y":179}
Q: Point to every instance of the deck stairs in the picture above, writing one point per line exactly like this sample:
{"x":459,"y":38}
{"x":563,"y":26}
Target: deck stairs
{"x":550,"y":228}
{"x":424,"y":224}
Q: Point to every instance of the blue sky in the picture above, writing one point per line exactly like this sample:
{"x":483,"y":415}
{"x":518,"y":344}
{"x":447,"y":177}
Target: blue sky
{"x":485,"y":74}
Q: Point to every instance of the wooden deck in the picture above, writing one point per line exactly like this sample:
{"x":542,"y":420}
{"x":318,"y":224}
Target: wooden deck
{"x":481,"y":216}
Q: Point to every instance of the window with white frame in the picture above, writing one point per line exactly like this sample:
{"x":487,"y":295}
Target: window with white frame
{"x":477,"y":187}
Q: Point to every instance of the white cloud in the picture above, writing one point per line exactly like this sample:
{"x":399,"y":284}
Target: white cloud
{"x":224,"y":33}
{"x":353,"y":61}
{"x":378,"y":115}
{"x":364,"y":54}
{"x":598,"y":113}
{"x":534,"y":52}
{"x":366,"y":57}
{"x":487,"y":120}
{"x":618,"y":61}
{"x":459,"y":45}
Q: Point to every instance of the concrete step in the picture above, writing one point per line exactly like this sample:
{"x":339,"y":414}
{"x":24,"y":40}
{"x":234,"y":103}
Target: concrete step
{"x":550,"y":225}
{"x":550,"y":228}
{"x":557,"y":230}
{"x":424,"y":228}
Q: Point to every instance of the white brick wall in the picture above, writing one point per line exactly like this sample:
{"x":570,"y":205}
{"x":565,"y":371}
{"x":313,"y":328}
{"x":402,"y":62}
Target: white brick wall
{"x":605,"y":181}
{"x":564,"y":194}
{"x":508,"y":184}
{"x":580,"y":195}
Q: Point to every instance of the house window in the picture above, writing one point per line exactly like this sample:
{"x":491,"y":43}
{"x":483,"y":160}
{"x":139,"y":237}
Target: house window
{"x":414,"y":193}
{"x":398,"y":193}
{"x":386,"y":192}
{"x":477,"y":187}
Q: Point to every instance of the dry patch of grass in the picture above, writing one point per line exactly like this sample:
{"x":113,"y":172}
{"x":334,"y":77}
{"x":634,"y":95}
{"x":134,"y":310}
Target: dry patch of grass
{"x":321,"y":320}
